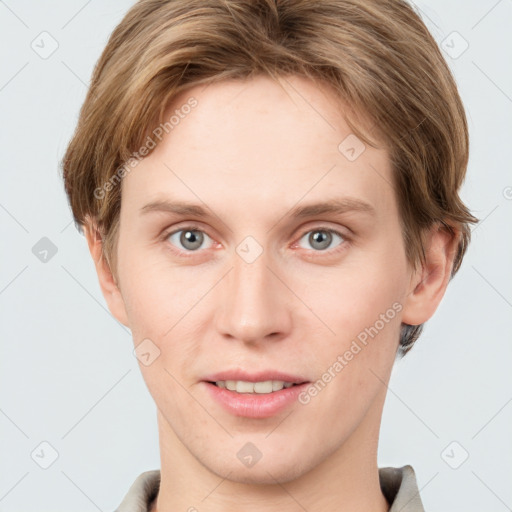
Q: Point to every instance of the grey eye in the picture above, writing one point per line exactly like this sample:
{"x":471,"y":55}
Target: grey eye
{"x":321,"y":239}
{"x":188,"y":239}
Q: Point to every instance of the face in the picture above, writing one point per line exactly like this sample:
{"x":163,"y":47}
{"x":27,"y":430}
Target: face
{"x":289,"y":266}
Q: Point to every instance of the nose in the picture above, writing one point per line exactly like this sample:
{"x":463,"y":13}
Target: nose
{"x":254,"y":302}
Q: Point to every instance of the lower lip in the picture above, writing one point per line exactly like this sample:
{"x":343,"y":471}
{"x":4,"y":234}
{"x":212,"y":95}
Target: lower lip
{"x":254,"y":405}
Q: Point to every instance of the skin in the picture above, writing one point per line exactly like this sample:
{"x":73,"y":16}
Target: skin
{"x":249,"y":153}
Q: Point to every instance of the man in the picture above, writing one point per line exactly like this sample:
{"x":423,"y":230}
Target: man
{"x":269,"y":191}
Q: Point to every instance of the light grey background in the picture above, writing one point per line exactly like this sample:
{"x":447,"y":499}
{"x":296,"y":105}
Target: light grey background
{"x":68,"y":374}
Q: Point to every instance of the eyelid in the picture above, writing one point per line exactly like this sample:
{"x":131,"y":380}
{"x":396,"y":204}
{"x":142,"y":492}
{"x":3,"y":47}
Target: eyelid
{"x":344,"y":233}
{"x":184,"y":226}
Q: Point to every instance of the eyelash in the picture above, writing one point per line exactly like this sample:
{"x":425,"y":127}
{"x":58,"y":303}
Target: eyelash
{"x":192,"y":227}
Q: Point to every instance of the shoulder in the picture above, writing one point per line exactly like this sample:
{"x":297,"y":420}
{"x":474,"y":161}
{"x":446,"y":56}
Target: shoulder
{"x":400,"y":488}
{"x":141,"y":493}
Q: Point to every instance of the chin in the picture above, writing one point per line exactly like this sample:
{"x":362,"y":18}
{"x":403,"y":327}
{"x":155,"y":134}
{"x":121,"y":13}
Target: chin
{"x":262,"y":473}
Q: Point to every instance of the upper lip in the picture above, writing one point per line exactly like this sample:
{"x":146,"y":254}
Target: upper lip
{"x":255,"y":377}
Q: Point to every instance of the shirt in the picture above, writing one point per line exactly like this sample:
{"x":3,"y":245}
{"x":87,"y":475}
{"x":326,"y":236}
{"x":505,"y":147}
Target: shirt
{"x":398,"y":486}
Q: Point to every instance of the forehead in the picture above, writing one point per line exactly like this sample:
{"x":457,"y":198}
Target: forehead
{"x":254,"y":141}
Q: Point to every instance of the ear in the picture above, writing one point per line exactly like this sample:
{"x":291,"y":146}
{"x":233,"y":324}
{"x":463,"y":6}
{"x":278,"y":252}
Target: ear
{"x":108,"y":285}
{"x":429,"y":282}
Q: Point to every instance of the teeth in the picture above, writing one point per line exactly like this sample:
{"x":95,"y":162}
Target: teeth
{"x":244,"y":387}
{"x":265,"y":387}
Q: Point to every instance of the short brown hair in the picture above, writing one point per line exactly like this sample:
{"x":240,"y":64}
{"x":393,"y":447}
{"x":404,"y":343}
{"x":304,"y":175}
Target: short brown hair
{"x":377,"y":56}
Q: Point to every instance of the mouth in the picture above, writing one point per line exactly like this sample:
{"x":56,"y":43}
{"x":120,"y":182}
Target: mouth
{"x":259,"y":395}
{"x":261,"y":387}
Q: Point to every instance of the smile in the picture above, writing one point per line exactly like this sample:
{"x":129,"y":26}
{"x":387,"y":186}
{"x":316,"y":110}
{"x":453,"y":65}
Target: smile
{"x":262,"y":387}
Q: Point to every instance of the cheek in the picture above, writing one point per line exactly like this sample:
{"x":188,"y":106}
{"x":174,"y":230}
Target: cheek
{"x":353,"y":297}
{"x":361,"y":304}
{"x":154,"y":292}
{"x":169,"y":306}
{"x":160,"y":303}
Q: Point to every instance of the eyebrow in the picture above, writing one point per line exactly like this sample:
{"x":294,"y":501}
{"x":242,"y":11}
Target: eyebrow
{"x":333,"y":206}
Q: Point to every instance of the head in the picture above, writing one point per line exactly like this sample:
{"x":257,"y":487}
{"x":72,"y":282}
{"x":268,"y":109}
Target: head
{"x":255,"y":110}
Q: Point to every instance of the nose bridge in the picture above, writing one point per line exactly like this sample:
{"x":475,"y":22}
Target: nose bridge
{"x":254,"y":302}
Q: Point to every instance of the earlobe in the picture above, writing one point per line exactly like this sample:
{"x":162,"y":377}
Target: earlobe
{"x":429,"y":282}
{"x":108,"y":285}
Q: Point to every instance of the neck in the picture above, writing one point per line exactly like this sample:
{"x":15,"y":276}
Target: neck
{"x":346,"y":480}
